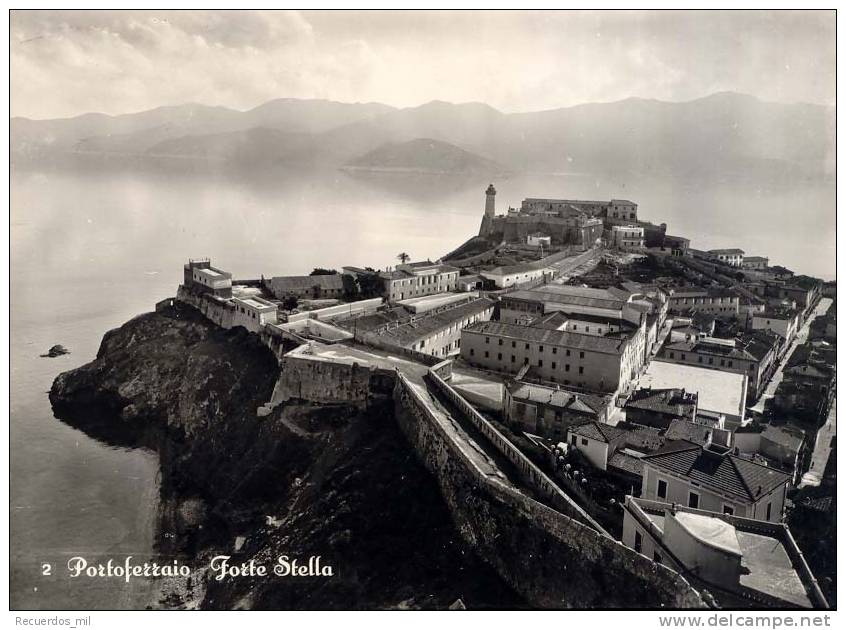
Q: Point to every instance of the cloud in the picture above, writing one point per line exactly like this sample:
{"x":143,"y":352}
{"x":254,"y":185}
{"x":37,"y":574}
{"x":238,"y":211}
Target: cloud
{"x":69,"y":62}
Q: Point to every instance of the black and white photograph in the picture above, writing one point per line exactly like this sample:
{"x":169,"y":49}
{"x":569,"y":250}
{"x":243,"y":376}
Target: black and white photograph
{"x":422,"y":310}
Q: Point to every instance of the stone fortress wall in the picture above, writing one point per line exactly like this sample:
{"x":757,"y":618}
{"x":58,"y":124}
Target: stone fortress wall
{"x":554,"y":558}
{"x":551,"y":559}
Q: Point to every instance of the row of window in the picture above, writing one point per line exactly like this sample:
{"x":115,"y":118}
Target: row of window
{"x":693,"y":500}
{"x":553,"y":364}
{"x":528,"y":347}
{"x":700,"y":359}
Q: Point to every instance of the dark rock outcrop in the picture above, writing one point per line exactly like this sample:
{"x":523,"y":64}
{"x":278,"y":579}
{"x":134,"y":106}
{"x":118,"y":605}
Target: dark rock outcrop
{"x":336,"y":481}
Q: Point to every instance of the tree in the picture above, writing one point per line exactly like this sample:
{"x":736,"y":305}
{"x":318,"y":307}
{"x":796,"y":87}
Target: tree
{"x":289,"y":303}
{"x":403,"y":257}
{"x":370,"y":285}
{"x":320,"y":271}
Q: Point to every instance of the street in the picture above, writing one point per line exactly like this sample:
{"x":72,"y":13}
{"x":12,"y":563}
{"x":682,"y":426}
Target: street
{"x":800,"y":338}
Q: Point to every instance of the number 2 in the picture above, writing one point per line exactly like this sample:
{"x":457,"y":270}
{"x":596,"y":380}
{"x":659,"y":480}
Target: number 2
{"x":46,"y":569}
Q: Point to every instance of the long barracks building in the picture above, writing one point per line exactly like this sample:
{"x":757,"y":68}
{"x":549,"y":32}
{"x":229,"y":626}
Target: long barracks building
{"x":601,"y":363}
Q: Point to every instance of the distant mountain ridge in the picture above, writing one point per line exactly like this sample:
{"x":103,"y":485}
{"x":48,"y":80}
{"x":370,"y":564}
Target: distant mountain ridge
{"x":725,"y":134}
{"x":426,"y":156}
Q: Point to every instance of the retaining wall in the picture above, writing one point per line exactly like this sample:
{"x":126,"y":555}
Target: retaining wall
{"x":328,"y":382}
{"x":552,"y":560}
{"x":530,"y":474}
{"x":217,"y":312}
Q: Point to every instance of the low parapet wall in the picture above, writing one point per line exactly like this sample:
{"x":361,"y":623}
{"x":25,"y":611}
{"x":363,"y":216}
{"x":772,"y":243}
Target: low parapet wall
{"x":552,"y":560}
{"x":530,"y":474}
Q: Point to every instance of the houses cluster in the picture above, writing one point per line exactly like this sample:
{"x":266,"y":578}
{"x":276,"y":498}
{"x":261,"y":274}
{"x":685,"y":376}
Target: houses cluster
{"x":647,"y":382}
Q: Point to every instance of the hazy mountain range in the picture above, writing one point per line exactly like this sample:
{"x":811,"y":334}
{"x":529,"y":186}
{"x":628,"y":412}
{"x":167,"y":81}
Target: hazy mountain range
{"x":720,"y":135}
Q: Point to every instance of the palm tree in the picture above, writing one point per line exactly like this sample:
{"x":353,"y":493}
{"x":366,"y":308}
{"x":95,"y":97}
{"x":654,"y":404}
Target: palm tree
{"x":403,"y":257}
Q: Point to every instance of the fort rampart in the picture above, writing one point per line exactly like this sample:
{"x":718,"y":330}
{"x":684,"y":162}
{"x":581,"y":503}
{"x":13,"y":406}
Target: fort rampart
{"x":552,"y":560}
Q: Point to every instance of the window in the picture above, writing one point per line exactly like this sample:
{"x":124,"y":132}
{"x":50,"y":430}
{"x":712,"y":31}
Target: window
{"x":540,"y":362}
{"x":526,"y":361}
{"x":487,"y":354}
{"x":527,"y":346}
{"x":662,"y":489}
{"x":573,"y":440}
{"x":728,"y":509}
{"x":683,"y":356}
{"x":581,"y":369}
{"x":693,"y":500}
{"x":656,"y":556}
{"x":672,"y":355}
{"x":769,"y":510}
{"x":499,"y":356}
{"x":500,"y":342}
{"x":487,"y":339}
{"x":540,"y":348}
{"x":513,"y":344}
{"x":731,"y":363}
{"x":512,"y":358}
{"x":567,"y":353}
{"x":700,"y":358}
{"x":553,"y":365}
{"x":555,"y":351}
{"x":567,"y":367}
{"x":581,"y":355}
{"x":584,"y":442}
{"x":638,"y":542}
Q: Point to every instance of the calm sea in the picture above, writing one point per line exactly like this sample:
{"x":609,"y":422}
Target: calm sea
{"x":89,"y":251}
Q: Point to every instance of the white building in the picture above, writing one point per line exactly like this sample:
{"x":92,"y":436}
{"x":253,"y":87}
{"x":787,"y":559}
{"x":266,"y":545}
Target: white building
{"x":253,"y":313}
{"x":731,"y":257}
{"x":517,"y":275}
{"x":539,"y":239}
{"x":742,"y":562}
{"x":783,"y":322}
{"x":627,"y":237}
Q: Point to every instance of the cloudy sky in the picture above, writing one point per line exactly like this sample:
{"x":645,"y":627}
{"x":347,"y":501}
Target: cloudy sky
{"x":65,"y":63}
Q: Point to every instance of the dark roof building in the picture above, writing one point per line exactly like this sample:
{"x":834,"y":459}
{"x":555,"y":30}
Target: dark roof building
{"x":659,"y":407}
{"x":723,"y":474}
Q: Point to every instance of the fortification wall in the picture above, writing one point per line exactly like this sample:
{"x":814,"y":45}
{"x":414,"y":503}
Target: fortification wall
{"x":552,"y":560}
{"x":530,"y":474}
{"x":517,"y":229}
{"x":222,"y":314}
{"x":328,"y":382}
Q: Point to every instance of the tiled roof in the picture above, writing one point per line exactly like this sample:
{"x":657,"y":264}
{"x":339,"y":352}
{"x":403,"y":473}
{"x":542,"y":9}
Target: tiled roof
{"x":675,"y":402}
{"x":722,"y":473}
{"x":426,"y":324}
{"x":787,"y":439}
{"x":597,"y":431}
{"x":733,"y":251}
{"x":299,"y":283}
{"x":578,"y":341}
{"x":626,"y":463}
{"x":692,"y":432}
{"x":553,"y":294}
{"x":758,"y":343}
{"x":557,"y":397}
{"x":645,"y":439}
{"x":702,"y":347}
{"x":557,"y":318}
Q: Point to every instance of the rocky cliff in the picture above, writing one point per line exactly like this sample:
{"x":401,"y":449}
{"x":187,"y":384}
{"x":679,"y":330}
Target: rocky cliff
{"x":333,"y":480}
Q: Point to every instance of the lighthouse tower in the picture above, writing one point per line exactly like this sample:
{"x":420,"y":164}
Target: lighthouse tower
{"x":490,"y":201}
{"x":490,"y":211}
